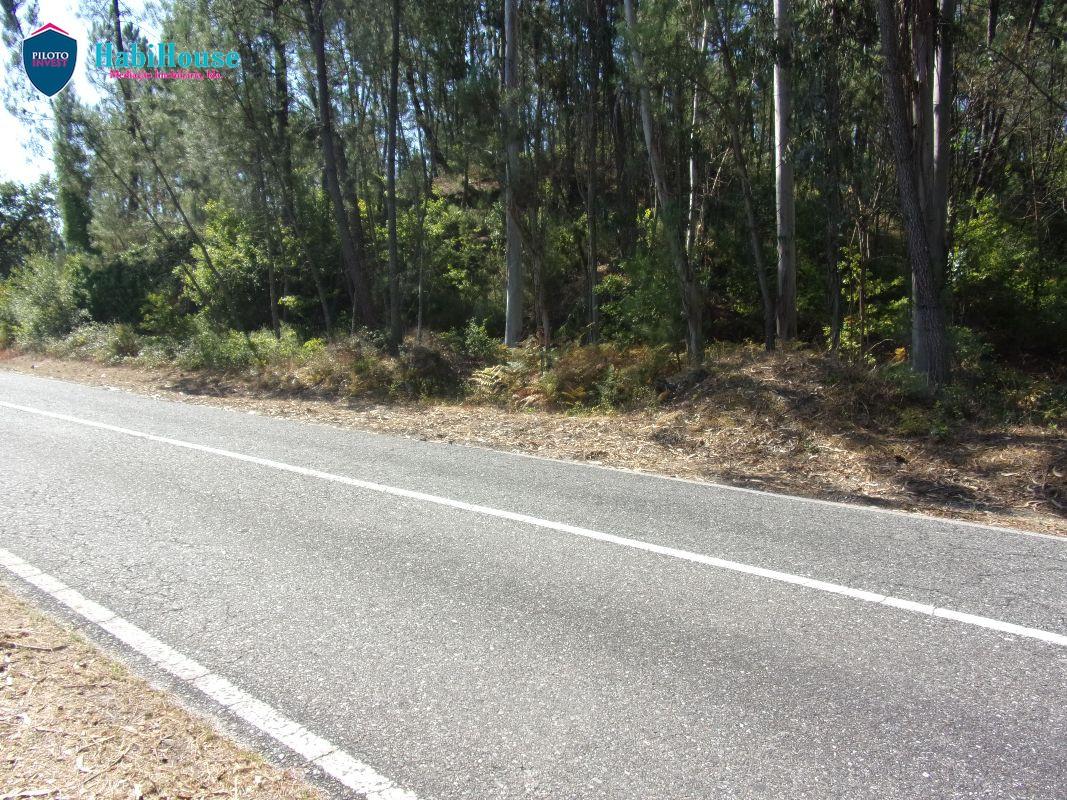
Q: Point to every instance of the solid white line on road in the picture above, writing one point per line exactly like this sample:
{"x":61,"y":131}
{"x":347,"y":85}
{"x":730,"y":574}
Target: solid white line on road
{"x":562,"y":527}
{"x":342,"y":767}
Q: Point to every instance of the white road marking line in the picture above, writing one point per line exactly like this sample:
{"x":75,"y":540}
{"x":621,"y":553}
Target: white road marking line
{"x":562,"y":527}
{"x":341,"y":766}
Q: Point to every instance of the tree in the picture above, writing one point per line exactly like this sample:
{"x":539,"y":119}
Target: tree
{"x":620,"y":161}
{"x":733,"y":112}
{"x":908,"y":128}
{"x":512,"y":146}
{"x":72,"y":174}
{"x":360,"y":286}
{"x":783,"y":177}
{"x":395,"y":327}
{"x":26,"y":222}
{"x":674,"y":221}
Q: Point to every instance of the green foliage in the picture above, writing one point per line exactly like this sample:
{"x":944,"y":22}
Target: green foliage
{"x":40,"y":300}
{"x":96,"y":341}
{"x":232,"y":281}
{"x":162,"y":315}
{"x":27,"y":223}
{"x":136,"y":207}
{"x":639,"y":303}
{"x":458,"y":250}
{"x":604,"y":376}
{"x":1006,"y":285}
{"x":883,"y":325}
{"x":121,"y":287}
{"x":475,"y":343}
{"x":72,"y":173}
{"x":209,"y":347}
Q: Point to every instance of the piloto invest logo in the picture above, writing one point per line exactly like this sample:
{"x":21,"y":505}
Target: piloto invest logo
{"x":49,"y":55}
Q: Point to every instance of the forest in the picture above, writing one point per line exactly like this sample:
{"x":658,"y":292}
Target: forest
{"x":447,"y":197}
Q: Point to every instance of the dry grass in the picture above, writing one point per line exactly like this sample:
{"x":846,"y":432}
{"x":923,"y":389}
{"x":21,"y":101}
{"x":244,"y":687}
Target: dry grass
{"x":75,"y":723}
{"x":764,"y":422}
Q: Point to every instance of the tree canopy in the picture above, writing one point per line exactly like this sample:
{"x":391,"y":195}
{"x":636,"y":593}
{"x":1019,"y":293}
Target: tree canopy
{"x":607,"y":169}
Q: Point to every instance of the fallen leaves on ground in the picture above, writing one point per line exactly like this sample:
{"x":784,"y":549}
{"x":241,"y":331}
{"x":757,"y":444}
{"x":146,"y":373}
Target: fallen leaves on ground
{"x":75,"y":723}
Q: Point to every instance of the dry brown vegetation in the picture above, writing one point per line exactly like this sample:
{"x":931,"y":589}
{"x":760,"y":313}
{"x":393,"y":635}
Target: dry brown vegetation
{"x":794,"y":422}
{"x":76,"y":723}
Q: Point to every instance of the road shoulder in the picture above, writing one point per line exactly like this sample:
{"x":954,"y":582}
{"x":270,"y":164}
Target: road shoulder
{"x":74,"y":721}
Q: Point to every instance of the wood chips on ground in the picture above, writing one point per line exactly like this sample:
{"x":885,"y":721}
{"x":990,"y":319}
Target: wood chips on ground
{"x":76,"y":723}
{"x":766,"y":424}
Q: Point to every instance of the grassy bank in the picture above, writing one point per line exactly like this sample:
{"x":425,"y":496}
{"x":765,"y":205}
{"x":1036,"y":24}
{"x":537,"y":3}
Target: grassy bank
{"x":991,"y":447}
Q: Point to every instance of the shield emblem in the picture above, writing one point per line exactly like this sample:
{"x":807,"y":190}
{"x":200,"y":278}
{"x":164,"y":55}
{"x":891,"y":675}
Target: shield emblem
{"x":49,"y":55}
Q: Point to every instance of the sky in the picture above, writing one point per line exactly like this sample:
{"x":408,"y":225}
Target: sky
{"x":18,"y":160}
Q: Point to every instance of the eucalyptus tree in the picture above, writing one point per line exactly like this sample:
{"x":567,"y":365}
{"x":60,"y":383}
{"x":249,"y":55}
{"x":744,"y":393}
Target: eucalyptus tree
{"x":911,"y":129}
{"x":783,"y":167}
{"x":510,"y":123}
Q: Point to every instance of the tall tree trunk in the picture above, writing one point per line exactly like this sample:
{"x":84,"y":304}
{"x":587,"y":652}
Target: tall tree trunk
{"x":783,"y":173}
{"x":929,"y":339}
{"x":353,"y":266}
{"x":395,"y":330}
{"x":592,"y":53}
{"x":692,"y":300}
{"x":834,"y":205}
{"x":512,"y":145}
{"x":943,"y":92}
{"x":696,"y":157}
{"x":261,"y":203}
{"x":733,"y":115}
{"x":132,"y":201}
{"x":752,"y":224}
{"x":284,"y":161}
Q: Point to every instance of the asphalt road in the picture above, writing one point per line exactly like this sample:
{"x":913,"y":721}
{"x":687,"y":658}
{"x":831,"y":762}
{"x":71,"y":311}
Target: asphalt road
{"x":467,"y":655}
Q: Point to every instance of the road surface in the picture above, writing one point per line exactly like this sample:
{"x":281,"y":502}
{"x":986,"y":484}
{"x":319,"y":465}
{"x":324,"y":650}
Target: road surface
{"x":475,"y":624}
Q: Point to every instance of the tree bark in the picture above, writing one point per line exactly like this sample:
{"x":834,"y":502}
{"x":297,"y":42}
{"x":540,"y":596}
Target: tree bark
{"x":437,"y":158}
{"x":592,"y":134}
{"x":783,"y":173}
{"x":395,"y":329}
{"x":929,"y":340}
{"x":834,"y":205}
{"x":354,"y":268}
{"x":943,"y":92}
{"x":512,"y":145}
{"x":284,"y":161}
{"x":696,"y":161}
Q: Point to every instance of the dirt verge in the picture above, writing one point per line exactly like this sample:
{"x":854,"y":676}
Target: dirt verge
{"x":763,"y":425}
{"x":76,"y":723}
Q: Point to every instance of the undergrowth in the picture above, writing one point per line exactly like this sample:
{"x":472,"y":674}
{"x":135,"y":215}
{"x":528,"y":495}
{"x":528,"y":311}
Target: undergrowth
{"x":470,"y":365}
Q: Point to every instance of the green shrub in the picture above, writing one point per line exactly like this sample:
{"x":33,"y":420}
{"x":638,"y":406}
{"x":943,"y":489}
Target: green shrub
{"x":40,"y":301}
{"x":372,"y":375}
{"x":161,"y":315}
{"x":117,"y":288}
{"x":231,"y":351}
{"x":426,"y":372}
{"x":476,"y":344}
{"x":125,"y":343}
{"x":1007,"y":282}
